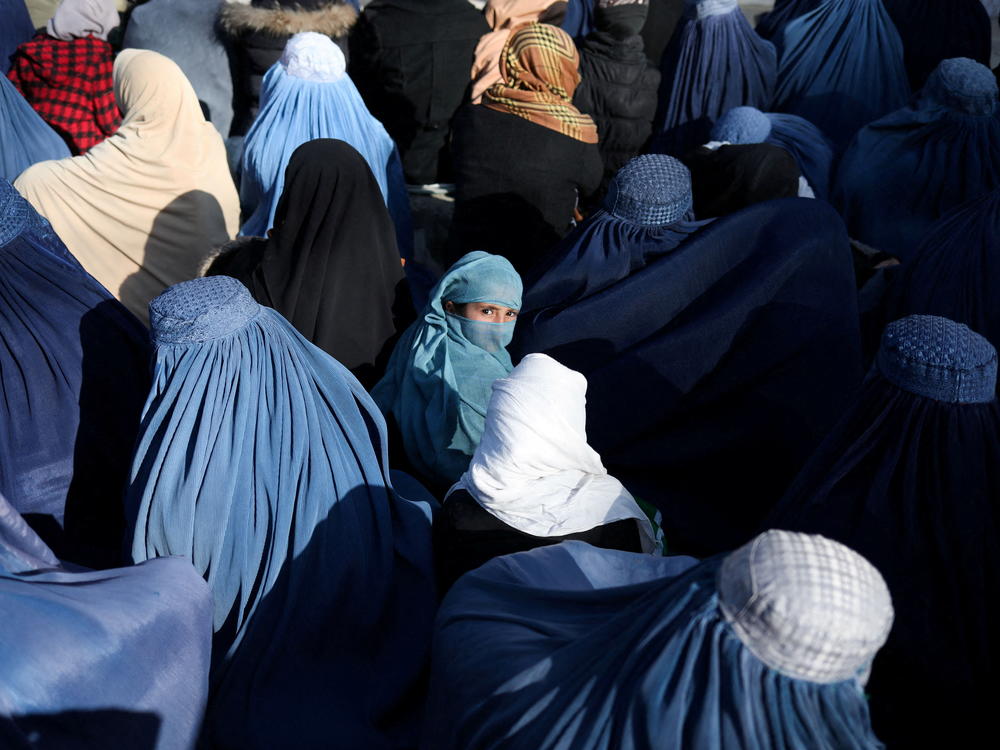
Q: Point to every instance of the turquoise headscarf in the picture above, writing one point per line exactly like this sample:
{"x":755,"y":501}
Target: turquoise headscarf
{"x":441,"y":373}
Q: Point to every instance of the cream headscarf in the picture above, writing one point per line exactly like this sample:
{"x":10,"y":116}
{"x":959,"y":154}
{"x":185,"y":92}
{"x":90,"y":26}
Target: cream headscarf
{"x":502,"y":16}
{"x":142,"y":209}
{"x":533,"y":468}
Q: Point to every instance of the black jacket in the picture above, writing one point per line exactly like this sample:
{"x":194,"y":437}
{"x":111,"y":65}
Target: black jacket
{"x":618,"y":86}
{"x":257,"y":34}
{"x":516,"y":184}
{"x":411,"y":59}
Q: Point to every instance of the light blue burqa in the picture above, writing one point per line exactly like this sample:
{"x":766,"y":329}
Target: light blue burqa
{"x":25,"y":138}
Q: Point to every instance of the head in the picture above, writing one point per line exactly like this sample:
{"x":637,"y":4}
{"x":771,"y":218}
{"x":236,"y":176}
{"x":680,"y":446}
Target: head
{"x":151,"y":91}
{"x":543,"y":58}
{"x":742,"y":125}
{"x":76,"y":19}
{"x":621,"y":18}
{"x":650,"y":190}
{"x":313,"y":57}
{"x":964,"y":85}
{"x":480,"y":296}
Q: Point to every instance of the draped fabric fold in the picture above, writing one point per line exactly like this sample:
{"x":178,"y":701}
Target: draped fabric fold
{"x":117,"y":658}
{"x":840,"y":67}
{"x":907,"y":169}
{"x":264,"y":462}
{"x":716,"y":368}
{"x":771,"y":24}
{"x":713,"y":63}
{"x":73,"y":377}
{"x":142,"y":209}
{"x":27,"y":139}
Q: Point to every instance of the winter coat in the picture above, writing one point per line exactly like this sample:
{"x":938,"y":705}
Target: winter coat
{"x":618,"y":86}
{"x":259,"y":31}
{"x":410,"y":60}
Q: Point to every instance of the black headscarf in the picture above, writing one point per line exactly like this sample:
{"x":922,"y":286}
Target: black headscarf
{"x":736,"y":176}
{"x":330,"y":265}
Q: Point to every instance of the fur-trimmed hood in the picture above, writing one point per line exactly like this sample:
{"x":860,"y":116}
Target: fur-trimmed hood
{"x":333,"y":19}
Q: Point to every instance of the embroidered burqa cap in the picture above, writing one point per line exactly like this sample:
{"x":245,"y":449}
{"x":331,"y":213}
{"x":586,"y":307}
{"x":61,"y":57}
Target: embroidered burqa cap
{"x":650,"y":190}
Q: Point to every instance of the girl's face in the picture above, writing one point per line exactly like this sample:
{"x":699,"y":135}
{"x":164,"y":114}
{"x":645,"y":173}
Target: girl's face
{"x":484,"y":312}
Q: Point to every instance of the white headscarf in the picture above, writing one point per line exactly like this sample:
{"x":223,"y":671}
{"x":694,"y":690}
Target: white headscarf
{"x":533,"y":468}
{"x":75,"y":19}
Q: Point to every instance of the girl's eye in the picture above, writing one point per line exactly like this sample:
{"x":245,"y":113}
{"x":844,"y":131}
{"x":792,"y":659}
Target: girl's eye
{"x":511,"y":314}
{"x":487,"y":311}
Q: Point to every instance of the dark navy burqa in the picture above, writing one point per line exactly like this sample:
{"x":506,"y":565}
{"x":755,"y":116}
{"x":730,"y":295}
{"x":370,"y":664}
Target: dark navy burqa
{"x":840,"y":67}
{"x":910,"y":478}
{"x":74,"y":374}
{"x":812,"y":150}
{"x":571,"y":647}
{"x":955,"y":273}
{"x":714,"y":368}
{"x":16,"y":29}
{"x":714,"y":62}
{"x":936,"y":30}
{"x":263,"y":461}
{"x":772,"y":24}
{"x":117,"y":658}
{"x":904,"y":171}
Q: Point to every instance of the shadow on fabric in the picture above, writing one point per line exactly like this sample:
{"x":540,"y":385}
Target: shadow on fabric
{"x":81,"y":730}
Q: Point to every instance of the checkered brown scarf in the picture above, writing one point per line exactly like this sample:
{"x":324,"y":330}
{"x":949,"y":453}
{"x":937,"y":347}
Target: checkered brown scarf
{"x":539,"y":66}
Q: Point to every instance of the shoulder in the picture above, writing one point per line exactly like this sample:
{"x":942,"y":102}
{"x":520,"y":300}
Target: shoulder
{"x":334,"y":19}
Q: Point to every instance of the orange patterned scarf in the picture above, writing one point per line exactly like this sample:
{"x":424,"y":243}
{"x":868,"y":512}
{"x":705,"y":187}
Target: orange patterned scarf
{"x":540,"y":71}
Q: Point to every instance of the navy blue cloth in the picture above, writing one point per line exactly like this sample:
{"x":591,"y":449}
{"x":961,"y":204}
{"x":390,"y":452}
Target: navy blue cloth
{"x":712,"y":64}
{"x":955,"y":272}
{"x":117,"y":658}
{"x":906,"y":170}
{"x":912,"y":483}
{"x":772,"y":24}
{"x":579,"y":18}
{"x":16,"y":29}
{"x":264,"y":461}
{"x":714,"y":370}
{"x":840,"y":67}
{"x":812,"y":150}
{"x":25,"y":138}
{"x":936,"y":30}
{"x":73,"y":377}
{"x":571,"y":646}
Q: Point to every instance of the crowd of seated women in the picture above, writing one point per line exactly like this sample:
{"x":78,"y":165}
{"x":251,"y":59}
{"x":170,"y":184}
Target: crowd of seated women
{"x":522,"y":375}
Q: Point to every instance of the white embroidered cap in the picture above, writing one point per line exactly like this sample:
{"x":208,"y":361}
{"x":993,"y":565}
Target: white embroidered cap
{"x":313,"y":57}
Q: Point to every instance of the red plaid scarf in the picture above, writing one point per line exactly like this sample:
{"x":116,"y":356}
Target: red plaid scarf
{"x":69,"y":84}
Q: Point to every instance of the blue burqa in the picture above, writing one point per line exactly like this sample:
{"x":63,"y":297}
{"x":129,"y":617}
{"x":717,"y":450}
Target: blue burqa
{"x":263,"y":461}
{"x":714,"y":370}
{"x":714,"y":62}
{"x":572,"y":647}
{"x":906,"y":170}
{"x":579,"y":18}
{"x":841,"y":66}
{"x":293,"y":110}
{"x":73,"y":377}
{"x":955,"y":272}
{"x":772,"y":24}
{"x":117,"y":658}
{"x":936,"y":30}
{"x":25,"y":138}
{"x":16,"y":29}
{"x":812,"y":150}
{"x":910,"y":478}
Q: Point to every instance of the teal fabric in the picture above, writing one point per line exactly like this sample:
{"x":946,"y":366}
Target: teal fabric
{"x":441,"y":374}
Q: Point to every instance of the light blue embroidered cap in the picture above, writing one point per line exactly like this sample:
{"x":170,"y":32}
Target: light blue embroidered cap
{"x":650,"y":190}
{"x":201,"y":310}
{"x":742,"y":125}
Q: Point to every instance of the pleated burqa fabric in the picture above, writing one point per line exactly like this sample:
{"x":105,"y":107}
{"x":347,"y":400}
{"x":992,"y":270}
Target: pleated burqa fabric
{"x":330,"y":265}
{"x":716,"y":368}
{"x":910,"y":478}
{"x":73,"y":378}
{"x":116,"y":658}
{"x":25,"y":138}
{"x":307,"y":94}
{"x":936,"y":30}
{"x":772,"y":23}
{"x":571,"y":646}
{"x":264,"y":462}
{"x":840,"y":67}
{"x":906,"y":170}
{"x":714,"y":62}
{"x":955,"y":272}
{"x":143,"y":209}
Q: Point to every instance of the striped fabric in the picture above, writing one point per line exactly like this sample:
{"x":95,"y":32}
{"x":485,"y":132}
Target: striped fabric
{"x":540,"y":71}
